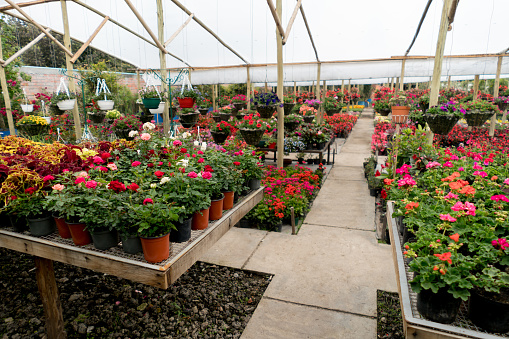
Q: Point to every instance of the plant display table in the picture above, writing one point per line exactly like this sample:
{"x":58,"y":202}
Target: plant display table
{"x":414,"y":325}
{"x":116,"y":262}
{"x":320,"y":152}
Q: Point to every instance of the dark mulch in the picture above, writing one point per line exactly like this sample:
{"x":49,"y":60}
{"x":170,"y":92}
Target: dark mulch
{"x":208,"y":301}
{"x":389,"y":321}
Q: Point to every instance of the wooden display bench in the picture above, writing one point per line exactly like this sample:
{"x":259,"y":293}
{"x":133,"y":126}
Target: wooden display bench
{"x":414,"y":325}
{"x":310,"y":151}
{"x":115,"y":261}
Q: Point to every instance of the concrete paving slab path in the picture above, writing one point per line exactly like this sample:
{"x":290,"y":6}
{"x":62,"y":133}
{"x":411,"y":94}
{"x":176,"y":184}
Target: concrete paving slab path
{"x":326,"y":277}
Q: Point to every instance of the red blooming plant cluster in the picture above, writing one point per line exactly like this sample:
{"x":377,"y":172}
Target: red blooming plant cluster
{"x":341,"y":124}
{"x":284,"y":188}
{"x":457,"y":208}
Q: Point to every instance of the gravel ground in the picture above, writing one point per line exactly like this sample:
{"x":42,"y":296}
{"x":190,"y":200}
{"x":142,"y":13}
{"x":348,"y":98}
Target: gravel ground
{"x":389,"y":321}
{"x":208,"y":301}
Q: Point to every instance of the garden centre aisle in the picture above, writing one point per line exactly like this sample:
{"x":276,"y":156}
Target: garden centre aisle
{"x":326,"y":277}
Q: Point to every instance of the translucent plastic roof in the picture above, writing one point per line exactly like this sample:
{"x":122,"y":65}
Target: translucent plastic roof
{"x":342,"y":30}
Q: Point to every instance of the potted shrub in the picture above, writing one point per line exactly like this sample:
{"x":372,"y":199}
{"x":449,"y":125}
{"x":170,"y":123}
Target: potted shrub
{"x":441,"y":119}
{"x":478,"y":111}
{"x":186,"y":98}
{"x":292,"y":121}
{"x":150,"y":97}
{"x":203,"y":105}
{"x":225,"y":112}
{"x":123,"y":125}
{"x":97,"y":116}
{"x":502,"y":102}
{"x":265,"y":104}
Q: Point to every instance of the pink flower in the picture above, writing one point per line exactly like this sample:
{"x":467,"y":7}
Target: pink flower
{"x":481,"y":173}
{"x":103,"y":169}
{"x":91,"y":184}
{"x":136,"y":163}
{"x":500,"y":243}
{"x":470,"y":208}
{"x":98,"y":160}
{"x":177,"y":143}
{"x":199,"y":152}
{"x":206,"y":175}
{"x":455,"y":157}
{"x":148,"y":201}
{"x":499,"y":197}
{"x":112,"y":166}
{"x":192,"y":175}
{"x":506,"y":181}
{"x":58,"y":187}
{"x":447,"y":217}
{"x":48,"y":178}
{"x":459,"y":206}
{"x":79,"y":180}
{"x":83,"y":174}
{"x":461,"y":169}
{"x":447,"y":164}
{"x":201,"y":160}
{"x":433,"y":164}
{"x":145,"y":136}
{"x":451,"y":195}
{"x":477,"y":166}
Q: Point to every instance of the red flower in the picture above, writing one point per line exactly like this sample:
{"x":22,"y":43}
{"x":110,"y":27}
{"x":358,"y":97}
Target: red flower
{"x":150,"y":165}
{"x":30,"y":190}
{"x":148,"y":201}
{"x":133,"y":187}
{"x":105,"y":155}
{"x":445,"y":257}
{"x":159,"y":174}
{"x":183,"y":150}
{"x":208,"y":168}
{"x":116,"y":186}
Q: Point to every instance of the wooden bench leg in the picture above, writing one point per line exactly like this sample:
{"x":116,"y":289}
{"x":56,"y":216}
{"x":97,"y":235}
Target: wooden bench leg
{"x":50,"y":298}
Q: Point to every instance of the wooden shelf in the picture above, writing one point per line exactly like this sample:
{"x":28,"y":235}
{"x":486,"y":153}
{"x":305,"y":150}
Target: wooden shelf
{"x":132,"y":267}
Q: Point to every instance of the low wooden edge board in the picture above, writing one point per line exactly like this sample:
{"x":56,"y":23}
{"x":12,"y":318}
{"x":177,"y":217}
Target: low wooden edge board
{"x":415,"y":327}
{"x":149,"y":274}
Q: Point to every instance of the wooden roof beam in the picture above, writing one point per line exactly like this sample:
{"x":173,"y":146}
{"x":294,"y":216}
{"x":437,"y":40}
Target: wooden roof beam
{"x":85,"y":45}
{"x":309,"y":31}
{"x":26,"y":4}
{"x":292,"y":19}
{"x":33,"y":22}
{"x":24,"y":49}
{"x":276,"y":18}
{"x":177,"y":32}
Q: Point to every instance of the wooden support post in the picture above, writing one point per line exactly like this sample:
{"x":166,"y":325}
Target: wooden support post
{"x":496,"y":86}
{"x":392,"y":83}
{"x":7,"y":99}
{"x":318,"y":94}
{"x":24,"y":49}
{"x":397,"y":84}
{"x":276,"y":17}
{"x":162,"y":63}
{"x":138,"y":83}
{"x":280,"y":110}
{"x":349,"y":93}
{"x":449,"y":82}
{"x":70,"y":72}
{"x":248,"y":94}
{"x":89,"y":41}
{"x":475,"y":94}
{"x":295,"y":88}
{"x":50,"y":299}
{"x":266,"y":87}
{"x":343,"y":91}
{"x":439,"y":55}
{"x":402,"y":81}
{"x":214,"y":97}
{"x":33,"y":22}
{"x":292,"y":220}
{"x":417,"y":85}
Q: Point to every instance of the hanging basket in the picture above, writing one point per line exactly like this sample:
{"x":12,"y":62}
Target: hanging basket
{"x":331,"y":112}
{"x":384,"y":112}
{"x":288,"y":106}
{"x":189,"y":120}
{"x":266,"y":111}
{"x":97,"y":117}
{"x":105,"y":105}
{"x":219,"y":137}
{"x":27,"y":108}
{"x":186,"y":102}
{"x":123,"y":133}
{"x":203,"y":111}
{"x":65,"y":105}
{"x":502,"y":106}
{"x":252,"y":136}
{"x":159,"y":109}
{"x":240,"y":105}
{"x":151,"y":103}
{"x":292,"y":125}
{"x":477,"y":118}
{"x":441,"y":124}
{"x":33,"y":129}
{"x":400,"y":114}
{"x":224,"y":116}
{"x":308,"y":118}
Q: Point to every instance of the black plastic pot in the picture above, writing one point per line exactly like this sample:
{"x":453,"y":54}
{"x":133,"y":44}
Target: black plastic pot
{"x":132,"y":244}
{"x":183,"y":232}
{"x":440,"y":307}
{"x":203,"y":111}
{"x":441,"y":124}
{"x":225,"y":116}
{"x":41,"y":226}
{"x":254,"y":184}
{"x":219,"y":137}
{"x":489,"y":314}
{"x":308,"y":118}
{"x":104,"y":240}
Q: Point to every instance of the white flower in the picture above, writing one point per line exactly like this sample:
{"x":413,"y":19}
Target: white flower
{"x":199,"y":175}
{"x":203,"y":146}
{"x":186,"y":135}
{"x":153,"y":185}
{"x":183,"y":162}
{"x":132,"y":134}
{"x":164,"y":180}
{"x":196,"y":143}
{"x":148,"y":126}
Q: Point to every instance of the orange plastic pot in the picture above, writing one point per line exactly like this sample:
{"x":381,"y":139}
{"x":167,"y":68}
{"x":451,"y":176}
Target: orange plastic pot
{"x":80,"y":236}
{"x":216,"y":209}
{"x":400,"y":114}
{"x":200,"y":220}
{"x":228,"y":200}
{"x":186,"y":102}
{"x":63,"y":228}
{"x":156,"y":249}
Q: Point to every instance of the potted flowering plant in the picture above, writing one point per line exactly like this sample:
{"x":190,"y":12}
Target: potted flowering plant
{"x":308,"y":113}
{"x":64,"y":101}
{"x":400,"y":106}
{"x":268,"y":213}
{"x":239,"y":101}
{"x":188,"y":117}
{"x":441,"y":119}
{"x":150,"y":97}
{"x":288,"y":103}
{"x":123,"y":125}
{"x":382,"y":107}
{"x":220,"y":131}
{"x":332,"y":106}
{"x":203,"y":105}
{"x":292,"y":121}
{"x":502,"y":102}
{"x":252,"y":129}
{"x":103,"y":103}
{"x":266,"y":104}
{"x":186,"y":98}
{"x":478,"y":111}
{"x":32,"y":125}
{"x":315,"y":103}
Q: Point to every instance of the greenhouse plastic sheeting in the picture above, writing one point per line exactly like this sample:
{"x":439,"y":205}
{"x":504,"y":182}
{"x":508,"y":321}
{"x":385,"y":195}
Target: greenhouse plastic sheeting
{"x":342,"y":30}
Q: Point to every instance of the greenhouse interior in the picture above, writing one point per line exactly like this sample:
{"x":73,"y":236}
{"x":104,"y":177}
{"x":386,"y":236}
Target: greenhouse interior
{"x":254,"y":169}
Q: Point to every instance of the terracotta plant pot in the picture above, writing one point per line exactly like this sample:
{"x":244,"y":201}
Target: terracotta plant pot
{"x":80,"y":236}
{"x":228,"y":200}
{"x":63,"y":228}
{"x":400,"y":114}
{"x":200,"y":220}
{"x":186,"y":102}
{"x":156,"y":249}
{"x":216,"y":209}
